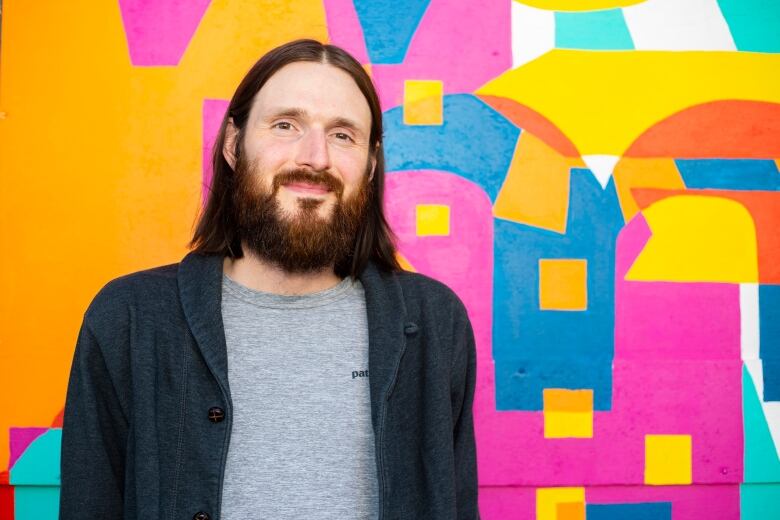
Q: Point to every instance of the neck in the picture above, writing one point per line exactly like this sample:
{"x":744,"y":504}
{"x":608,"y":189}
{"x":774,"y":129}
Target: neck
{"x":259,"y":274}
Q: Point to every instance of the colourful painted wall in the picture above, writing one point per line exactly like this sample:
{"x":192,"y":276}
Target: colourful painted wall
{"x":597,"y":179}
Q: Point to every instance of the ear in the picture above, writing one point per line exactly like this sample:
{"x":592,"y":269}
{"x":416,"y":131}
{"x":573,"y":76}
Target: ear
{"x":373,"y":164}
{"x":229,"y":146}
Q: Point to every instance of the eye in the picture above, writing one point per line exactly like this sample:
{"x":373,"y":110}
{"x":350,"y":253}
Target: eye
{"x":341,"y":136}
{"x":282,"y":125}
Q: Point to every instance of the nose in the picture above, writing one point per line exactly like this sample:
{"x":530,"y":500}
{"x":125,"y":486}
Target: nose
{"x":313,"y":150}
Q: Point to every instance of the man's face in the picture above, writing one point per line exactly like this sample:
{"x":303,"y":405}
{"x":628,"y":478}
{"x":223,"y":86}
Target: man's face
{"x":303,"y":167}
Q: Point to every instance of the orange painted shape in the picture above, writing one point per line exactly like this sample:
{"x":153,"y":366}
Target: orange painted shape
{"x":632,"y":173}
{"x":563,"y":284}
{"x":718,"y":129}
{"x":570,"y":511}
{"x":534,"y":122}
{"x":565,"y":400}
{"x":536,"y":189}
{"x":764,"y":207}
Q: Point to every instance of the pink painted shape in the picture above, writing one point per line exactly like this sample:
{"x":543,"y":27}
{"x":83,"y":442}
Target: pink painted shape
{"x":688,"y":502}
{"x":507,"y":503}
{"x":344,"y":28}
{"x":663,"y":320}
{"x":463,"y":44}
{"x":20,"y":439}
{"x":158,"y":31}
{"x":213,"y":113}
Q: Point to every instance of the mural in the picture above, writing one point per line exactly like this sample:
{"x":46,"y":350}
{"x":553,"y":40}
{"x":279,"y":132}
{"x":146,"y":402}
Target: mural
{"x":597,"y":179}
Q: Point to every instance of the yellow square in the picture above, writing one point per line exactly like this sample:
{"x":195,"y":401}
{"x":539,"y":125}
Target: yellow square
{"x":433,"y":220}
{"x":668,"y":459}
{"x":564,"y":425}
{"x":423,"y":102}
{"x":547,"y":500}
{"x":563,"y":284}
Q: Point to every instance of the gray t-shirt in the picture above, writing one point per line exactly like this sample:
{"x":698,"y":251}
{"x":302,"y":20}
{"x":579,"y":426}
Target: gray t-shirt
{"x":302,"y":444}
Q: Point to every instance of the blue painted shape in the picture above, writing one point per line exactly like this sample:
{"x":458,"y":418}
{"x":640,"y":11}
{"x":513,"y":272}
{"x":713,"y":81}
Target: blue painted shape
{"x":753,"y":24}
{"x":604,"y":29}
{"x":535,"y":349}
{"x":769,"y":334}
{"x":474,"y":141}
{"x":758,"y":502}
{"x":388,"y":27}
{"x":729,"y":174}
{"x":36,"y":502}
{"x":640,"y":511}
{"x":760,"y":455}
{"x":39,"y":465}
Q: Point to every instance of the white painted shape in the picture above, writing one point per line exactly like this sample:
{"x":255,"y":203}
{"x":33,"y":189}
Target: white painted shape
{"x":748,"y":320}
{"x":679,"y":25}
{"x":533,"y":33}
{"x":771,"y":409}
{"x":602,"y":166}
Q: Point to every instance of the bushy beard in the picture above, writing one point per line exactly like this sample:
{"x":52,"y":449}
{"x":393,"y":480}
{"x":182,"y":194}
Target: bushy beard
{"x":303,"y":241}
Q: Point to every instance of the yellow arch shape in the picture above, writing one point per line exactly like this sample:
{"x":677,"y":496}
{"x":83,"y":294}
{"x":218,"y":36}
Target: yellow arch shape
{"x":604,"y":100}
{"x":698,"y":239}
{"x":578,"y":5}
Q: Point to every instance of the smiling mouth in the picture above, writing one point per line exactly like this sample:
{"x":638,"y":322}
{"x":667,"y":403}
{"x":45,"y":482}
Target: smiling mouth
{"x":310,"y":189}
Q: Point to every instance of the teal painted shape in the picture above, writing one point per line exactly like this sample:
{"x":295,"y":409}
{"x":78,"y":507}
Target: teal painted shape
{"x":759,"y":501}
{"x":754,"y":24}
{"x":36,"y":502}
{"x":39,"y":465}
{"x":604,"y":29}
{"x":761,"y":462}
{"x":388,"y":27}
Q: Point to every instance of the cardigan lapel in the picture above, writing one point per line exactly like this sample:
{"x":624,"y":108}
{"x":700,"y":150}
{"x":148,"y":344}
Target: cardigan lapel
{"x":386,"y":312}
{"x":200,"y":290}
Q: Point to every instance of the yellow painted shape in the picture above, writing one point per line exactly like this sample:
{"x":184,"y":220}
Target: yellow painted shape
{"x":566,"y":400}
{"x":433,"y":220}
{"x":578,"y":5}
{"x":562,"y":425}
{"x":570,"y":511}
{"x":633,"y":172}
{"x":547,"y":500}
{"x":404,"y":262}
{"x":563,"y":284}
{"x":536,"y":188}
{"x":698,"y":239}
{"x":423,"y":102}
{"x":668,"y":459}
{"x":634,"y":90}
{"x":111,"y":181}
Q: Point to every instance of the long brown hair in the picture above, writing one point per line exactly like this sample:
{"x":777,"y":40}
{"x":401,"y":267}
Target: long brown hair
{"x":216,"y":231}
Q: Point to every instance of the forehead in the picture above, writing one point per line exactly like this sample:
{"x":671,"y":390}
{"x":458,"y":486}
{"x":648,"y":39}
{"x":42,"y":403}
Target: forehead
{"x":321,"y":90}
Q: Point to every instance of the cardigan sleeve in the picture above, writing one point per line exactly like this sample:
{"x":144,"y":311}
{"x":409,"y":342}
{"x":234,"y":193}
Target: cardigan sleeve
{"x":94,"y":437}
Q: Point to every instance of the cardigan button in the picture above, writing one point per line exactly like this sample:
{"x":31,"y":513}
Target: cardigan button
{"x":216,"y":414}
{"x":200,"y":515}
{"x":410,"y":328}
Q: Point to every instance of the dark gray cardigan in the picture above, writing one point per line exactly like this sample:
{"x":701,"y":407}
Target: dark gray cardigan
{"x":151,"y":362}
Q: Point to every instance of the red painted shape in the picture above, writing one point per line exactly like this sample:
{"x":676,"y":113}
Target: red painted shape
{"x":57,"y":422}
{"x":724,"y":129}
{"x":6,"y":497}
{"x":764,"y":207}
{"x":534,"y":122}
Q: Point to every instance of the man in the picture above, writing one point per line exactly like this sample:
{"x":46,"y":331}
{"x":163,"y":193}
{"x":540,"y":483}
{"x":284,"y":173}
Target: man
{"x":287,"y":367}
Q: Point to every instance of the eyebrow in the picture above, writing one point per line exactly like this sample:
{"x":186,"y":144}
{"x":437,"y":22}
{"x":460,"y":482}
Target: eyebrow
{"x":301,"y":113}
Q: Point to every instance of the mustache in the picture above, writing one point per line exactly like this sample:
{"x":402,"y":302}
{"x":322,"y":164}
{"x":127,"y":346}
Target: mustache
{"x":322,"y":179}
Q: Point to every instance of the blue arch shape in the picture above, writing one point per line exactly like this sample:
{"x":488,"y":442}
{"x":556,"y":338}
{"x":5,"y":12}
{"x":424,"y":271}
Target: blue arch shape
{"x":474,"y":141}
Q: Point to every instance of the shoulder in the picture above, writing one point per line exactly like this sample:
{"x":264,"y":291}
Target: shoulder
{"x":130,"y":293}
{"x":433,"y":297}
